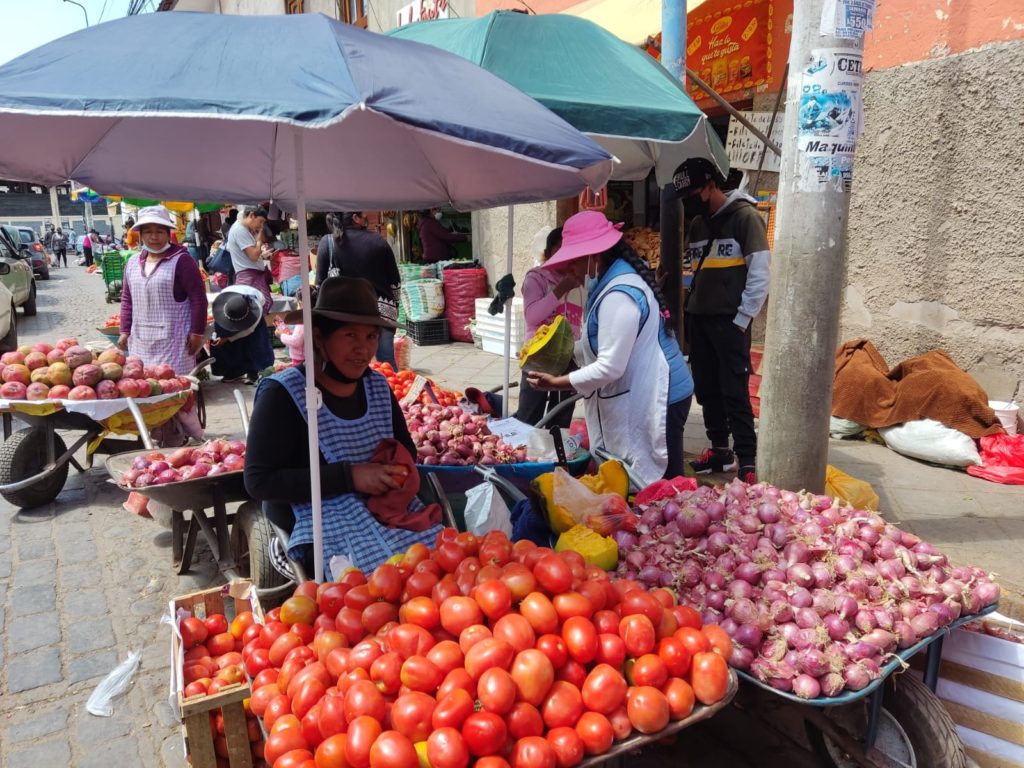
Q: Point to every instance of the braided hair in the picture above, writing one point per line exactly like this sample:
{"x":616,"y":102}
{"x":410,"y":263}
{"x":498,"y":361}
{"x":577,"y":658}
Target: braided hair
{"x":623,"y":250}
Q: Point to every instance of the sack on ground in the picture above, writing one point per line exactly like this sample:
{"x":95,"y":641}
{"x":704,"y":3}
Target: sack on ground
{"x":422,"y":300}
{"x":486,"y":511}
{"x":929,"y":440}
{"x":840,"y":428}
{"x":848,"y":488}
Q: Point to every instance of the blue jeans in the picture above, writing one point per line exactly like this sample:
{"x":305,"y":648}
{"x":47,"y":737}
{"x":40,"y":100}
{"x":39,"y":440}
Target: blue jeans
{"x":386,"y":347}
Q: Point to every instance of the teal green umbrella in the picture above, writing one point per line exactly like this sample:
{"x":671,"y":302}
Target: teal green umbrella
{"x":612,"y":91}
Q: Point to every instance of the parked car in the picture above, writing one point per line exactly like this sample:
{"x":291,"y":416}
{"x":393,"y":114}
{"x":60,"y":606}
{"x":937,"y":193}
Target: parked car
{"x":17,"y":288}
{"x":31,"y":249}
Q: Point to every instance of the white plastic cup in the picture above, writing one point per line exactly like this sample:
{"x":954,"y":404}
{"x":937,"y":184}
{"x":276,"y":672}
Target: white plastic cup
{"x":1007,"y":415}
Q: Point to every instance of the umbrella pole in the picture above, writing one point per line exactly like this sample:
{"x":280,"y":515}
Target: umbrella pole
{"x":508,"y":318}
{"x":312,"y":394}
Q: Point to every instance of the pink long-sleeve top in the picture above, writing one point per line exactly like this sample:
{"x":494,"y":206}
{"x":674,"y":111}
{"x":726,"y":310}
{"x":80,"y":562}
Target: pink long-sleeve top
{"x":188,"y":284}
{"x":541,"y":306}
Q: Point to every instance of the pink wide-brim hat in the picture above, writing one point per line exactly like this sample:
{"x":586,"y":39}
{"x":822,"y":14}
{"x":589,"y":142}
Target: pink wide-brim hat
{"x":584,"y":234}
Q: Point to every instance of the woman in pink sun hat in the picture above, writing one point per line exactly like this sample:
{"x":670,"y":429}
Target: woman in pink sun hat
{"x":635,"y":382}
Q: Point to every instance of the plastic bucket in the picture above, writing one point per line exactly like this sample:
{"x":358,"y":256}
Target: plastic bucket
{"x":1007,"y":415}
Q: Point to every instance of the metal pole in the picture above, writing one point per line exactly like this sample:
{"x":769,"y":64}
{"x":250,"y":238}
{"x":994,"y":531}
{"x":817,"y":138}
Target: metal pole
{"x":508,"y":317}
{"x":83,"y":10}
{"x":673,"y":38}
{"x":822,"y":115}
{"x":732,"y":111}
{"x":673,"y":58}
{"x":771,"y":127}
{"x":54,"y":207}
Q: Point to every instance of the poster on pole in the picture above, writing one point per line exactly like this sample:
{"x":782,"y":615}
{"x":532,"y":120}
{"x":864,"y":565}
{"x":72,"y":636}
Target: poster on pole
{"x":744,"y":148}
{"x":831,"y":116}
{"x":847,"y":19}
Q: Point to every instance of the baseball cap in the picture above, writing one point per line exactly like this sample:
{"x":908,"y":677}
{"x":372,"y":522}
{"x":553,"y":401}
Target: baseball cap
{"x":693,"y":174}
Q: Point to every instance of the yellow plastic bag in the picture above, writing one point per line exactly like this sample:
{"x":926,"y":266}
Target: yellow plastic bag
{"x":596,"y":549}
{"x":858,"y":493}
{"x":550,"y":349}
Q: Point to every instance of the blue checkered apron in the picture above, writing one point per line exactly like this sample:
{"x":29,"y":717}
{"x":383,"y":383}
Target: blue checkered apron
{"x":350,"y":528}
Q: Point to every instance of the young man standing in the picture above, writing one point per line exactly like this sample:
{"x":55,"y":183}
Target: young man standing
{"x":728,"y":246}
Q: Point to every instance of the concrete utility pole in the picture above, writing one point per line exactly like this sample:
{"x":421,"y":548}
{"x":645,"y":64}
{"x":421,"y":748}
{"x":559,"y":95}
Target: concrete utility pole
{"x":54,"y":207}
{"x":673,"y":58}
{"x":823,"y":117}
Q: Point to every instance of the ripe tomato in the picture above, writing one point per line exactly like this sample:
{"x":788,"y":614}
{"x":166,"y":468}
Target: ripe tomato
{"x":472,"y":635}
{"x":286,"y":721}
{"x":199,"y":688}
{"x":420,"y":584}
{"x":718,"y":639}
{"x":580,"y":639}
{"x":553,"y":574}
{"x":337,"y":662}
{"x":215,"y":624}
{"x":411,"y":714}
{"x":421,"y":611}
{"x":452,"y":710}
{"x":362,"y":699}
{"x":485,"y":733}
{"x":331,"y":599}
{"x":637,"y":632}
{"x":447,"y":749}
{"x":419,"y":674}
{"x":311,"y":726}
{"x":296,"y":758}
{"x":457,"y":613}
{"x":357,"y":598}
{"x":568,"y":746}
{"x":283,"y":741}
{"x":568,"y":604}
{"x":332,"y":715}
{"x":331,"y":752}
{"x":363,"y":654}
{"x":276,"y":707}
{"x":647,"y":708}
{"x":362,"y":732}
{"x":448,"y":556}
{"x":687,"y":616}
{"x":533,"y":752}
{"x":408,"y":640}
{"x":385,"y":583}
{"x":446,"y":656}
{"x":668,"y":625}
{"x":519,"y":579}
{"x":709,"y":676}
{"x":299,"y":609}
{"x":595,"y":731}
{"x":494,"y":598}
{"x":491,"y":761}
{"x":562,"y":706}
{"x":649,"y":669}
{"x":604,"y":690}
{"x":486,"y":654}
{"x":594,"y":592}
{"x":393,"y":750}
{"x":539,"y":612}
{"x":606,"y":622}
{"x":496,"y":691}
{"x":532,"y":674}
{"x":694,"y":640}
{"x":326,"y":641}
{"x":376,"y":615}
{"x":495,"y":553}
{"x":554,"y":648}
{"x":572,"y":672}
{"x":524,"y":720}
{"x":675,"y":655}
{"x":610,"y":650}
{"x":680,"y":698}
{"x":258,"y":660}
{"x":350,"y":623}
{"x":242,"y":622}
{"x":385,"y":672}
{"x":516,"y":631}
{"x":281,"y":647}
{"x":457,"y":678}
{"x":415,"y":555}
{"x":308,"y":693}
{"x":265,"y":677}
{"x":641,"y":601}
{"x":621,"y":726}
{"x":223,"y":643}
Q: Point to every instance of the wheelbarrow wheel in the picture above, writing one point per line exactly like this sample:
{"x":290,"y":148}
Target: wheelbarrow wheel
{"x":250,"y":547}
{"x":914,"y":730}
{"x":22,"y":455}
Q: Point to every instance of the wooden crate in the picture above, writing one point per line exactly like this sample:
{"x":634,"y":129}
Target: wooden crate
{"x":196,"y":711}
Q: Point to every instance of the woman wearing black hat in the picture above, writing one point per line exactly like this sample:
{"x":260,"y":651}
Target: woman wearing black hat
{"x":359,"y":413}
{"x":241,"y":341}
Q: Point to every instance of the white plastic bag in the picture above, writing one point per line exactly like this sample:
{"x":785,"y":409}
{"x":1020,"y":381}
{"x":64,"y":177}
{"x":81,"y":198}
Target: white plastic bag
{"x":540,"y":445}
{"x":113,"y":685}
{"x":840,"y":428}
{"x":929,"y":440}
{"x":486,"y":511}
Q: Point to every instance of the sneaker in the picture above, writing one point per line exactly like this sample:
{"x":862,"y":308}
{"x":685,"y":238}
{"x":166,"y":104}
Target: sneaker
{"x":748,"y":474}
{"x":232,"y":380}
{"x":714,"y":460}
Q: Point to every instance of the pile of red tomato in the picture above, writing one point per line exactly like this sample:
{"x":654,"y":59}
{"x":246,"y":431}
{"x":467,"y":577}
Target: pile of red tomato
{"x":402,"y":381}
{"x":478,"y":651}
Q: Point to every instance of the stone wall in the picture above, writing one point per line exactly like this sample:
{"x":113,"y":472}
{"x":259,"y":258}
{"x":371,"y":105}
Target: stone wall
{"x":490,"y":238}
{"x":936,"y":236}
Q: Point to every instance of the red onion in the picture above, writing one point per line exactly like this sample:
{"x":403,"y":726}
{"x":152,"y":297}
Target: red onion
{"x":692,"y":521}
{"x":670,"y":512}
{"x":719,"y":543}
{"x":831,"y":684}
{"x":824,"y":602}
{"x":801,"y":575}
{"x":768,"y":512}
{"x":738,"y":588}
{"x":807,"y":618}
{"x":624,"y":539}
{"x":710,"y":617}
{"x":864,"y":620}
{"x":868,"y":535}
{"x":748,"y":635}
{"x":823,"y":575}
{"x":857,"y":677}
{"x":801,"y":598}
{"x":715,"y":599}
{"x":774,"y":648}
{"x":883,"y":619}
{"x":774,"y":590}
{"x":774,"y":574}
{"x":879,"y":638}
{"x":778,"y":533}
{"x":845,"y":564}
{"x":806,"y":687}
{"x":804,"y":639}
{"x":729,"y":626}
{"x":748,"y":572}
{"x":743,"y":611}
{"x":885,"y":549}
{"x":812,"y":662}
{"x":636,"y":559}
{"x":650,"y":575}
{"x":924,"y":624}
{"x":836,"y":626}
{"x":740,"y":657}
{"x":789,"y":631}
{"x":796,"y":552}
{"x":689,"y":573}
{"x":846,"y":606}
{"x":715,"y":511}
{"x":905,"y":635}
{"x":986,"y":592}
{"x":858,"y":650}
{"x":714,"y":579}
{"x":857,"y":587}
{"x":781,"y":611}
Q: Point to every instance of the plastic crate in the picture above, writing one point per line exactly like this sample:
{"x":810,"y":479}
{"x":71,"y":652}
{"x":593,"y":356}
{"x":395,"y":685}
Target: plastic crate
{"x":112,"y":267}
{"x":428,"y":332}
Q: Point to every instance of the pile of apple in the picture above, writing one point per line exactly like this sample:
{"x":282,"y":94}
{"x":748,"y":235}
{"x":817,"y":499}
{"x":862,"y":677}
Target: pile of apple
{"x":213,"y":662}
{"x":214,"y":457}
{"x":69,"y":371}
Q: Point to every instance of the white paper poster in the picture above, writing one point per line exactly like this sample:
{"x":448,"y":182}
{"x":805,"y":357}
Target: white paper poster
{"x":744,"y":148}
{"x":848,"y":19}
{"x":831,"y":117}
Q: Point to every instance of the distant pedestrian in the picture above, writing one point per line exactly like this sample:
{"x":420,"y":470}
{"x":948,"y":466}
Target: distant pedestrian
{"x":59,"y":244}
{"x":87,"y":248}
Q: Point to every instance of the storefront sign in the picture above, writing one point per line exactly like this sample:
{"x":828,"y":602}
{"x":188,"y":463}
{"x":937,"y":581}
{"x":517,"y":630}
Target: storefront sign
{"x":831,"y":116}
{"x":422,"y":10}
{"x":731,"y":48}
{"x":744,"y":148}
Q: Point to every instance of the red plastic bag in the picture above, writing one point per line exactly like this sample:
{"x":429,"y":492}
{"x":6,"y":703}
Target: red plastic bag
{"x":462,"y":287}
{"x":665,"y":489}
{"x":1002,"y":459}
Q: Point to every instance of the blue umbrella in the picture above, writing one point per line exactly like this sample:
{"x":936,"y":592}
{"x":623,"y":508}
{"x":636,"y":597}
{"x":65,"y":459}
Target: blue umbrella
{"x":301,"y":109}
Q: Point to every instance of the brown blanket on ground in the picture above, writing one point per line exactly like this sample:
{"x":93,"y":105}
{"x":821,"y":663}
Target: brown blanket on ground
{"x":929,"y":386}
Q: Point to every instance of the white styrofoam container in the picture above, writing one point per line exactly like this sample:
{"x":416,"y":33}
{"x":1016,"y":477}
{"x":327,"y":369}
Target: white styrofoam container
{"x":497,"y":346}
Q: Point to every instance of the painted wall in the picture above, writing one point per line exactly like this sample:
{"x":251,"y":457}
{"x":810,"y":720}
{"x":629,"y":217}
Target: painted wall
{"x":490,"y":238}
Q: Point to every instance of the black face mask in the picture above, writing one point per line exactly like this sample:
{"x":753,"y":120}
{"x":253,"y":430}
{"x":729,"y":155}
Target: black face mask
{"x":332,"y":371}
{"x":694,"y":206}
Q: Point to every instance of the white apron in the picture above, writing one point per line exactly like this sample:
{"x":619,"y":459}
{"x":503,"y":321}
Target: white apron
{"x":627,"y":417}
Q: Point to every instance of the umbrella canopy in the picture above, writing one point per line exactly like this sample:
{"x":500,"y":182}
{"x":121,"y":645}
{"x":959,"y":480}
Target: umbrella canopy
{"x":612,"y":91}
{"x":214,"y":101}
{"x":299,"y":109}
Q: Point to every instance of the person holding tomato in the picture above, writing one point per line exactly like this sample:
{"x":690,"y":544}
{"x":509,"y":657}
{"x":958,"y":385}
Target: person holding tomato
{"x":359,"y":414}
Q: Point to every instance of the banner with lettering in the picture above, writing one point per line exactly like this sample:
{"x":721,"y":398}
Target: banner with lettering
{"x":729,"y":45}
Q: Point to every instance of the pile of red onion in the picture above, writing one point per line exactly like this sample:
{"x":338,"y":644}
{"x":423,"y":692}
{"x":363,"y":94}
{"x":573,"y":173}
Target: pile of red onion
{"x":816,"y":595}
{"x":449,"y":436}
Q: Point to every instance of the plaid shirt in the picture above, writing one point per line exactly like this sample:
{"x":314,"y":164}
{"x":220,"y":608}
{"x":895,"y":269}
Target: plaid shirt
{"x":349,"y":527}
